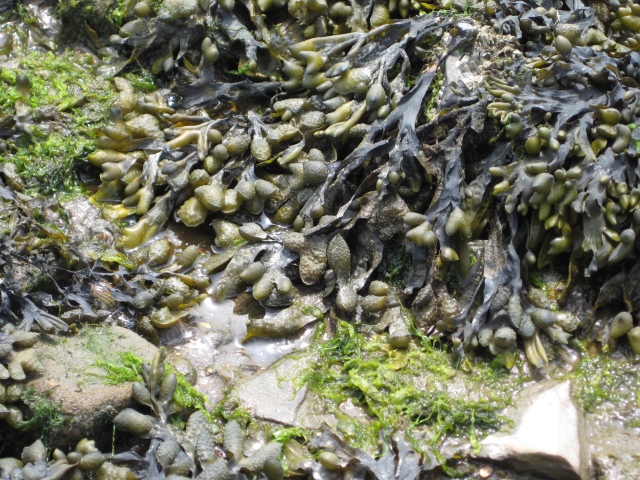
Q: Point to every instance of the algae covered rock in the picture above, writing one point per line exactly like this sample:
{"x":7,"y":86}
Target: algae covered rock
{"x":73,"y":381}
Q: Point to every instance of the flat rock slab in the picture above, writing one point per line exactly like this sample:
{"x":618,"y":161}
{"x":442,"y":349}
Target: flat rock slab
{"x":548,"y":438}
{"x":273,"y":395}
{"x":73,"y":382}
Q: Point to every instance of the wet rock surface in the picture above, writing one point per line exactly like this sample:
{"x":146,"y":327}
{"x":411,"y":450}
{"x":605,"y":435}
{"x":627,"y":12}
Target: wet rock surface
{"x":273,"y":395}
{"x":72,"y":380}
{"x":548,"y":437}
{"x":614,"y":452}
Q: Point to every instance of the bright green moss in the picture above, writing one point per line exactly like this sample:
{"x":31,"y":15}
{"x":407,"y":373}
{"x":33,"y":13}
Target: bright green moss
{"x":418,"y":387}
{"x":65,"y":101}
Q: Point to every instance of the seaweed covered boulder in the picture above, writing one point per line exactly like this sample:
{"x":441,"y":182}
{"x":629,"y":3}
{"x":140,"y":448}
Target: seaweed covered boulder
{"x":80,"y":383}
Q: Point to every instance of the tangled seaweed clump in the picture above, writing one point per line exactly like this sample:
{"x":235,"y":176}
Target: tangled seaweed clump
{"x":537,"y":147}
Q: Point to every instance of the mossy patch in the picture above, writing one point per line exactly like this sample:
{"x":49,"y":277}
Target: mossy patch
{"x":44,"y":418}
{"x":603,"y":378}
{"x":66,"y":99}
{"x":418,"y":389}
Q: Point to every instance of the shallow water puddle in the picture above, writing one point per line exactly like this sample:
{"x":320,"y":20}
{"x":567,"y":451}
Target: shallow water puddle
{"x":212,"y":342}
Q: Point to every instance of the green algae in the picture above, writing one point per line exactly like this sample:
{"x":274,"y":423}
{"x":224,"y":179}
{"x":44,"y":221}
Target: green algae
{"x":141,"y":80}
{"x":418,"y":389}
{"x":128,"y":368}
{"x":123,"y":9}
{"x":395,"y":265}
{"x":241,"y":415}
{"x":434,"y":90}
{"x":46,"y":165}
{"x":69,"y":99}
{"x":283,"y":435}
{"x":60,"y":79}
{"x":45,"y":417}
{"x":551,"y":283}
{"x":604,"y":378}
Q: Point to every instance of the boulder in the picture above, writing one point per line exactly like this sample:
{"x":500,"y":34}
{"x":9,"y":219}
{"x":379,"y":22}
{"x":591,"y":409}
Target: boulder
{"x":614,"y":438}
{"x":72,"y":382}
{"x":548,"y":438}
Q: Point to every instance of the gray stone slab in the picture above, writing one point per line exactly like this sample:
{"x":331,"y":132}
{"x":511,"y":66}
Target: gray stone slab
{"x":548,"y":438}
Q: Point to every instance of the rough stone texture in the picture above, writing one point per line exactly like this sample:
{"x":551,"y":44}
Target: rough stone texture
{"x":615,"y":443}
{"x":73,"y":382}
{"x":272,"y":395}
{"x":548,"y":438}
{"x":181,"y":8}
{"x":616,"y":453}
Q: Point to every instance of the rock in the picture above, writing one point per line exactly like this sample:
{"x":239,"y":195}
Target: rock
{"x":145,"y":126}
{"x":273,"y":395}
{"x":548,"y":438}
{"x":258,"y":393}
{"x":181,"y":8}
{"x":77,"y":387}
{"x":614,"y":429}
{"x":615,"y":452}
